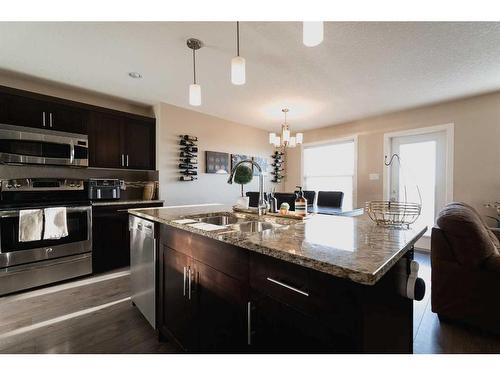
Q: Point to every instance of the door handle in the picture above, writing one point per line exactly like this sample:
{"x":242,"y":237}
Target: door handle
{"x":288,"y":286}
{"x":249,"y":323}
{"x":184,"y":283}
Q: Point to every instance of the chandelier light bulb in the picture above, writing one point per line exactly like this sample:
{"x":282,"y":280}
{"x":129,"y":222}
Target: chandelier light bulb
{"x":238,"y":70}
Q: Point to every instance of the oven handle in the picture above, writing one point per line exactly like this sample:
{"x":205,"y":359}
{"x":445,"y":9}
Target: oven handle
{"x":15,"y":213}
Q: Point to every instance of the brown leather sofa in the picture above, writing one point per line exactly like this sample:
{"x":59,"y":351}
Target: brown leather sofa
{"x":465,"y":256}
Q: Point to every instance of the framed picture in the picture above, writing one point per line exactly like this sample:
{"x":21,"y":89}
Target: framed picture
{"x":236,"y":158}
{"x":263,"y":164}
{"x":217,"y":162}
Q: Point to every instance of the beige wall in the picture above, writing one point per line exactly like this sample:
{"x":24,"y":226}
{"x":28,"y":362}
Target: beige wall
{"x":24,"y":82}
{"x":476,"y":144}
{"x":214,"y":134}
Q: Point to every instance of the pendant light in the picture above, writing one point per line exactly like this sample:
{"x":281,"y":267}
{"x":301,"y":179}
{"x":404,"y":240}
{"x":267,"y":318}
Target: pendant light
{"x":238,"y":62}
{"x":194,"y":89}
{"x":312,"y":33}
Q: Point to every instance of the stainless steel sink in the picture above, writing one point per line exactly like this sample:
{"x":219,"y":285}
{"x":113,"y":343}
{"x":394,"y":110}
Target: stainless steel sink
{"x":219,"y":220}
{"x":253,"y":226}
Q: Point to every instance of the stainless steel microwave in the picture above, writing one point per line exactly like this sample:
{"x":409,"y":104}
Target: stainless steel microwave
{"x":21,"y":145}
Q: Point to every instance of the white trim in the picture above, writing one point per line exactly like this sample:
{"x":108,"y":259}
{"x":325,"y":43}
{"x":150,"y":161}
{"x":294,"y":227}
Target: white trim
{"x":332,"y":141}
{"x":450,"y":136}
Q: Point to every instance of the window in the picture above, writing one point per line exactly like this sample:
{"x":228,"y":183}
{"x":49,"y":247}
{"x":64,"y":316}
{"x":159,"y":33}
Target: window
{"x":331,"y":167}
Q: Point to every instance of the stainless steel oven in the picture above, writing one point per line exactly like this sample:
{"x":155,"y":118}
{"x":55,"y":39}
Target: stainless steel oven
{"x":29,"y":264}
{"x":20,"y":145}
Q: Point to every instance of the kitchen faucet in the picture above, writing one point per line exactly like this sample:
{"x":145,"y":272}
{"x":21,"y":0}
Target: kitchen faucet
{"x":262,"y":206}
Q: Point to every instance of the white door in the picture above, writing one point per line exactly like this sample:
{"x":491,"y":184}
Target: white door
{"x":423,"y":165}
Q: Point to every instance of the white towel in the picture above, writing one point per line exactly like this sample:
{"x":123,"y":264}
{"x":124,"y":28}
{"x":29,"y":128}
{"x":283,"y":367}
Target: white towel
{"x":30,"y":225}
{"x":56,"y":225}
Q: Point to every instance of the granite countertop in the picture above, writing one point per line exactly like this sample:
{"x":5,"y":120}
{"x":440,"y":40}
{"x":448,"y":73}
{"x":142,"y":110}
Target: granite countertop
{"x":353,"y":248}
{"x":124,"y":202}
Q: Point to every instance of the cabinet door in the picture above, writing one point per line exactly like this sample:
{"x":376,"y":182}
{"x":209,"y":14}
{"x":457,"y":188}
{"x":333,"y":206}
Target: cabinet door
{"x":139,"y":144}
{"x":279,"y":328}
{"x":105,"y":141}
{"x":110,"y":239}
{"x":222,"y":311}
{"x":178,"y":307}
{"x":23,"y":111}
{"x":68,"y":119}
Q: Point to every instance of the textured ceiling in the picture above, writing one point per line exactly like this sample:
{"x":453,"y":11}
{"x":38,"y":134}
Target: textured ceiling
{"x":361,"y":69}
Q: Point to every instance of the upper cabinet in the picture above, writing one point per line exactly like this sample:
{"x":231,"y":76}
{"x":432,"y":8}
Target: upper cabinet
{"x":116,"y":139}
{"x":121,"y":142}
{"x":26,"y":111}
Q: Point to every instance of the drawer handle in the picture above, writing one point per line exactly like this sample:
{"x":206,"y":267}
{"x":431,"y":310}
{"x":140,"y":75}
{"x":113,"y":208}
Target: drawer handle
{"x":288,"y":287}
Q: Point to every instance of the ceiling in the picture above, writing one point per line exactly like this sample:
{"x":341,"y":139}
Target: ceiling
{"x":360,"y":70}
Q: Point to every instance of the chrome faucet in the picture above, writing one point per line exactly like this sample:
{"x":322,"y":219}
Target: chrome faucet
{"x":262,"y":206}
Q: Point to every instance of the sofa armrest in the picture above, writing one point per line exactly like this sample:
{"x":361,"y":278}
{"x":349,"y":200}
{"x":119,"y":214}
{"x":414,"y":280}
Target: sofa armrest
{"x":496,"y":232}
{"x":492,"y":264}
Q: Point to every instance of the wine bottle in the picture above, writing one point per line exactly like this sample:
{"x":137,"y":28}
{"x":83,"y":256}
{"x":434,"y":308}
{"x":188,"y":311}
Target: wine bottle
{"x":187,"y":166}
{"x":187,"y":178}
{"x":189,"y":172}
{"x":191,"y":160}
{"x":183,"y":142}
{"x":189,"y":149}
{"x":189,"y":138}
{"x":184,"y":154}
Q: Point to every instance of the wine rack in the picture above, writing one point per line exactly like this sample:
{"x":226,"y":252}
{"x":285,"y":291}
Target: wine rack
{"x":278,"y":167}
{"x":188,"y":158}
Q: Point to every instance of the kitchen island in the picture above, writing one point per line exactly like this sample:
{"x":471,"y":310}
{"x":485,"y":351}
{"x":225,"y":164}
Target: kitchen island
{"x":235,"y":282}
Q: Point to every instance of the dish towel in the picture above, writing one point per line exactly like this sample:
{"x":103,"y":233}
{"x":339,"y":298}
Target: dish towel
{"x":30,"y":225}
{"x":56,"y":225}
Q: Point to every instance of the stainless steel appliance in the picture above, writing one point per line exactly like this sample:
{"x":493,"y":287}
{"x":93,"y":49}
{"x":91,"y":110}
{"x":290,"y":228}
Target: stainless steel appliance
{"x":142,"y":267}
{"x":26,"y":265}
{"x":20,"y":145}
{"x":101,"y":189}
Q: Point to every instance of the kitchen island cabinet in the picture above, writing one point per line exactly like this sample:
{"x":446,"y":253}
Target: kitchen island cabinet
{"x":226,"y":291}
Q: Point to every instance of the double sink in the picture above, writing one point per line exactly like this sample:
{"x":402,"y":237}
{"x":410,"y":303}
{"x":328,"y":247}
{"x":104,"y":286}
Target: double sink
{"x":236,"y":223}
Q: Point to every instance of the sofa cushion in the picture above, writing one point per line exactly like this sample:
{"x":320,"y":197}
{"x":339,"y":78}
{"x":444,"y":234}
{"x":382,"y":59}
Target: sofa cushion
{"x":469,"y":238}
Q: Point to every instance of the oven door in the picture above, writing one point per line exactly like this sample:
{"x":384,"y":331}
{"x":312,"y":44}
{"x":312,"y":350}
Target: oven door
{"x":20,"y":146}
{"x":13,"y":252}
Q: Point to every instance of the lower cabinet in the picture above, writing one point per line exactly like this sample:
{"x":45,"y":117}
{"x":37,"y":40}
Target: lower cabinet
{"x":111,"y":236}
{"x":202,"y":309}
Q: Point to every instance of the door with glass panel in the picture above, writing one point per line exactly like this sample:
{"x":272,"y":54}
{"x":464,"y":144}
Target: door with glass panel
{"x":422,"y":164}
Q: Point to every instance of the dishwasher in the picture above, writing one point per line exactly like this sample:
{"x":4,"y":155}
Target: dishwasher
{"x":143,"y":267}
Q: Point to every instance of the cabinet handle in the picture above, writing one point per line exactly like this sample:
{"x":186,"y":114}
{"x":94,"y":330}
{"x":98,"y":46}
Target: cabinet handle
{"x":249,"y":323}
{"x":189,"y":283}
{"x":288,"y":287}
{"x":50,"y":119}
{"x":123,"y":160}
{"x":127,"y":160}
{"x":43,"y":119}
{"x":184,"y":283}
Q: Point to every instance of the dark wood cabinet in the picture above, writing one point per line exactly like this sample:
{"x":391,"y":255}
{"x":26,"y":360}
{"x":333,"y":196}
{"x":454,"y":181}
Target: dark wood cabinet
{"x":111,"y":236}
{"x":243,"y":302}
{"x":68,"y":119}
{"x":120,"y":142}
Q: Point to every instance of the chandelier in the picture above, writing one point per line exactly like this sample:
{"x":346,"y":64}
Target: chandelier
{"x":285,"y":139}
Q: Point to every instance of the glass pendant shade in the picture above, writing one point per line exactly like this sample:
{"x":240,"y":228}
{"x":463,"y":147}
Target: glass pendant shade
{"x":299,"y":137}
{"x":277,"y":141}
{"x":293,"y":142}
{"x":195,"y":94}
{"x":286,"y":135}
{"x":238,"y":70}
{"x":312,"y":33}
{"x":272,"y":138}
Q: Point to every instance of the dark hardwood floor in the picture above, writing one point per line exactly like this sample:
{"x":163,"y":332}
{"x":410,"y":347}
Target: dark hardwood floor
{"x":95,"y":315}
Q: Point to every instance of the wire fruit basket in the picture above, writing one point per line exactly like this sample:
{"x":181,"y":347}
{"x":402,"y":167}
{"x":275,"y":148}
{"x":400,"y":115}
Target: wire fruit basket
{"x":387,"y":213}
{"x":395,"y":213}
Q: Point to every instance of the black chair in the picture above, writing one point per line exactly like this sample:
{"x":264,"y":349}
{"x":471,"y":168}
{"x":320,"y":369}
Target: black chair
{"x":286,"y":197}
{"x":330,"y":199}
{"x":310,"y":195}
{"x":254,"y":198}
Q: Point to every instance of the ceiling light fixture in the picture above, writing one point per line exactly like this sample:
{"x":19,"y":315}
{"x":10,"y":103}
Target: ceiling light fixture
{"x":135,"y":75}
{"x":312,"y":33}
{"x":238,"y":62}
{"x":285,"y":139}
{"x":194,"y":89}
